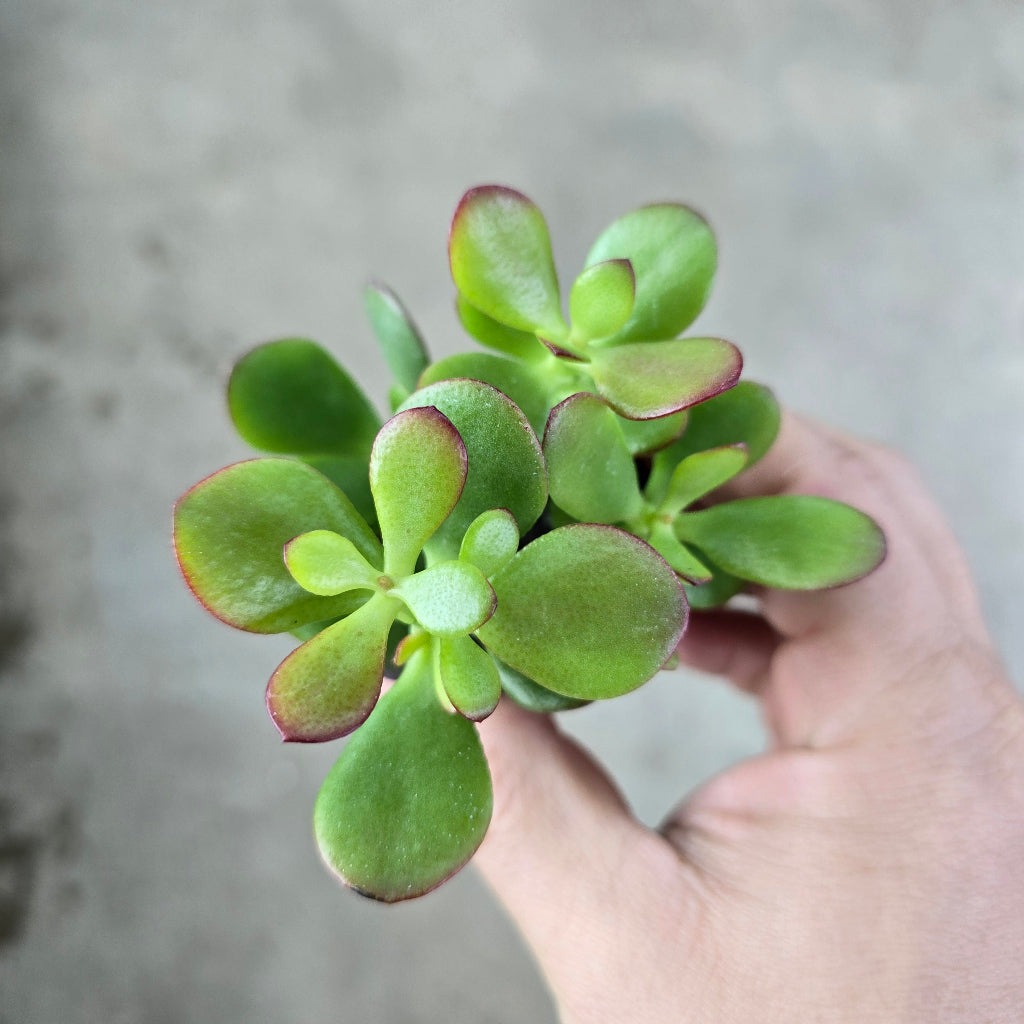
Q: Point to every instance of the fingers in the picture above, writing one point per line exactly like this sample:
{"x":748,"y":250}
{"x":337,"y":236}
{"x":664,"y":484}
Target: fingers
{"x":736,"y":645}
{"x":563,"y":853}
{"x":806,"y":458}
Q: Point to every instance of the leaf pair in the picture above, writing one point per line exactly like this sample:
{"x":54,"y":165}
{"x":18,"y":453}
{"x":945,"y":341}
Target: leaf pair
{"x":791,"y":542}
{"x":646,"y":279}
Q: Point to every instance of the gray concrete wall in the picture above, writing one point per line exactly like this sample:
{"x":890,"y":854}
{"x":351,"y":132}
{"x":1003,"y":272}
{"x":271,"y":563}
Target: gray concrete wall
{"x":180,"y":181}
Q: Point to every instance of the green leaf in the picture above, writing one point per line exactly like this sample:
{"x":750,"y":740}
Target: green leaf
{"x":448,"y":599}
{"x":518,"y":344}
{"x":470,"y":677}
{"x":789,"y":541}
{"x":646,"y":380}
{"x":501,"y":260}
{"x":700,"y":474}
{"x":745,"y":414}
{"x":230,"y":531}
{"x":602,"y":299}
{"x":590,"y":471}
{"x":400,"y":341}
{"x":587,"y":611}
{"x":506,"y":467}
{"x":664,"y":541}
{"x":491,"y":540}
{"x":410,"y":644}
{"x":396,"y":396}
{"x":717,"y":591}
{"x":352,"y":474}
{"x":645,"y":436}
{"x":291,"y":397}
{"x":326,"y":563}
{"x":532,"y":696}
{"x":519,"y":381}
{"x":673,"y":254}
{"x":409,"y":800}
{"x":327,"y":687}
{"x":417,"y":472}
{"x":310,"y":629}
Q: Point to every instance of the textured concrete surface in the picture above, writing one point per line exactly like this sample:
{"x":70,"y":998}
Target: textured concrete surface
{"x":180,"y":181}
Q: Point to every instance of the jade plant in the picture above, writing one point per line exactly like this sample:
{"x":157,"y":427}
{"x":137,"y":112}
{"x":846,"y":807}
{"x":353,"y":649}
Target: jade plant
{"x":534,"y":521}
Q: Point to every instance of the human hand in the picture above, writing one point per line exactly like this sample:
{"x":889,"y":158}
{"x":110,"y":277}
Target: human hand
{"x":869,"y":867}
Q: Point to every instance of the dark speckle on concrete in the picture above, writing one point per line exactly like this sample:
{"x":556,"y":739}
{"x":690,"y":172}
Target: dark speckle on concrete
{"x":103,"y":405}
{"x":18,"y":862}
{"x":16,"y":620}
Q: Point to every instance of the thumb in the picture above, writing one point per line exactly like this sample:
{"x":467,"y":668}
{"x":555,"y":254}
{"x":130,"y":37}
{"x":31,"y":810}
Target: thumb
{"x":564,"y":854}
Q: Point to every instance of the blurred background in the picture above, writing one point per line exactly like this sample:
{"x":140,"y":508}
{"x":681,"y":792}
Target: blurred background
{"x":181,"y":181}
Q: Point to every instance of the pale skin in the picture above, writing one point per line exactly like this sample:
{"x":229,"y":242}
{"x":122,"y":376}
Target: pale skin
{"x":868,"y":868}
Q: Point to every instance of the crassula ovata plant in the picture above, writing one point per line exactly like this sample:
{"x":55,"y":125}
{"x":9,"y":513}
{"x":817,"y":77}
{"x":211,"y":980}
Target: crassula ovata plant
{"x":531,"y":520}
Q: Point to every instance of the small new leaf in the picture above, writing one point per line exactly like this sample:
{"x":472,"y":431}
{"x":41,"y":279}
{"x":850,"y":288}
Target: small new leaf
{"x":673,"y":255}
{"x":326,"y":563}
{"x":602,"y":299}
{"x":470,"y":677}
{"x":491,"y":540}
{"x":449,"y":599}
{"x":700,"y":474}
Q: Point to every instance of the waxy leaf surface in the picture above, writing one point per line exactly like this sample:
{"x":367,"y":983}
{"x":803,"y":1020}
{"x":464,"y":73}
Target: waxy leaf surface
{"x":501,"y":260}
{"x":532,"y":696}
{"x":601,"y":299}
{"x":409,"y":800}
{"x":745,"y":414}
{"x":328,"y":686}
{"x":417,"y":472}
{"x":517,"y":380}
{"x":230,"y":531}
{"x":684,"y":561}
{"x":352,"y":474}
{"x":590,"y":471}
{"x":700,"y":474}
{"x":792,"y":542}
{"x":291,"y":397}
{"x":506,"y":467}
{"x":400,"y":341}
{"x":646,"y":380}
{"x":326,"y":563}
{"x":645,"y":436}
{"x":518,"y":344}
{"x":673,"y":255}
{"x":587,"y":611}
{"x":448,"y":599}
{"x":469,"y":676}
{"x":491,"y":540}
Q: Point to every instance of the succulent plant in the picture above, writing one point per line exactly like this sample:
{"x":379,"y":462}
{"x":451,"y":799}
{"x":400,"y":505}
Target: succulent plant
{"x":532,"y":521}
